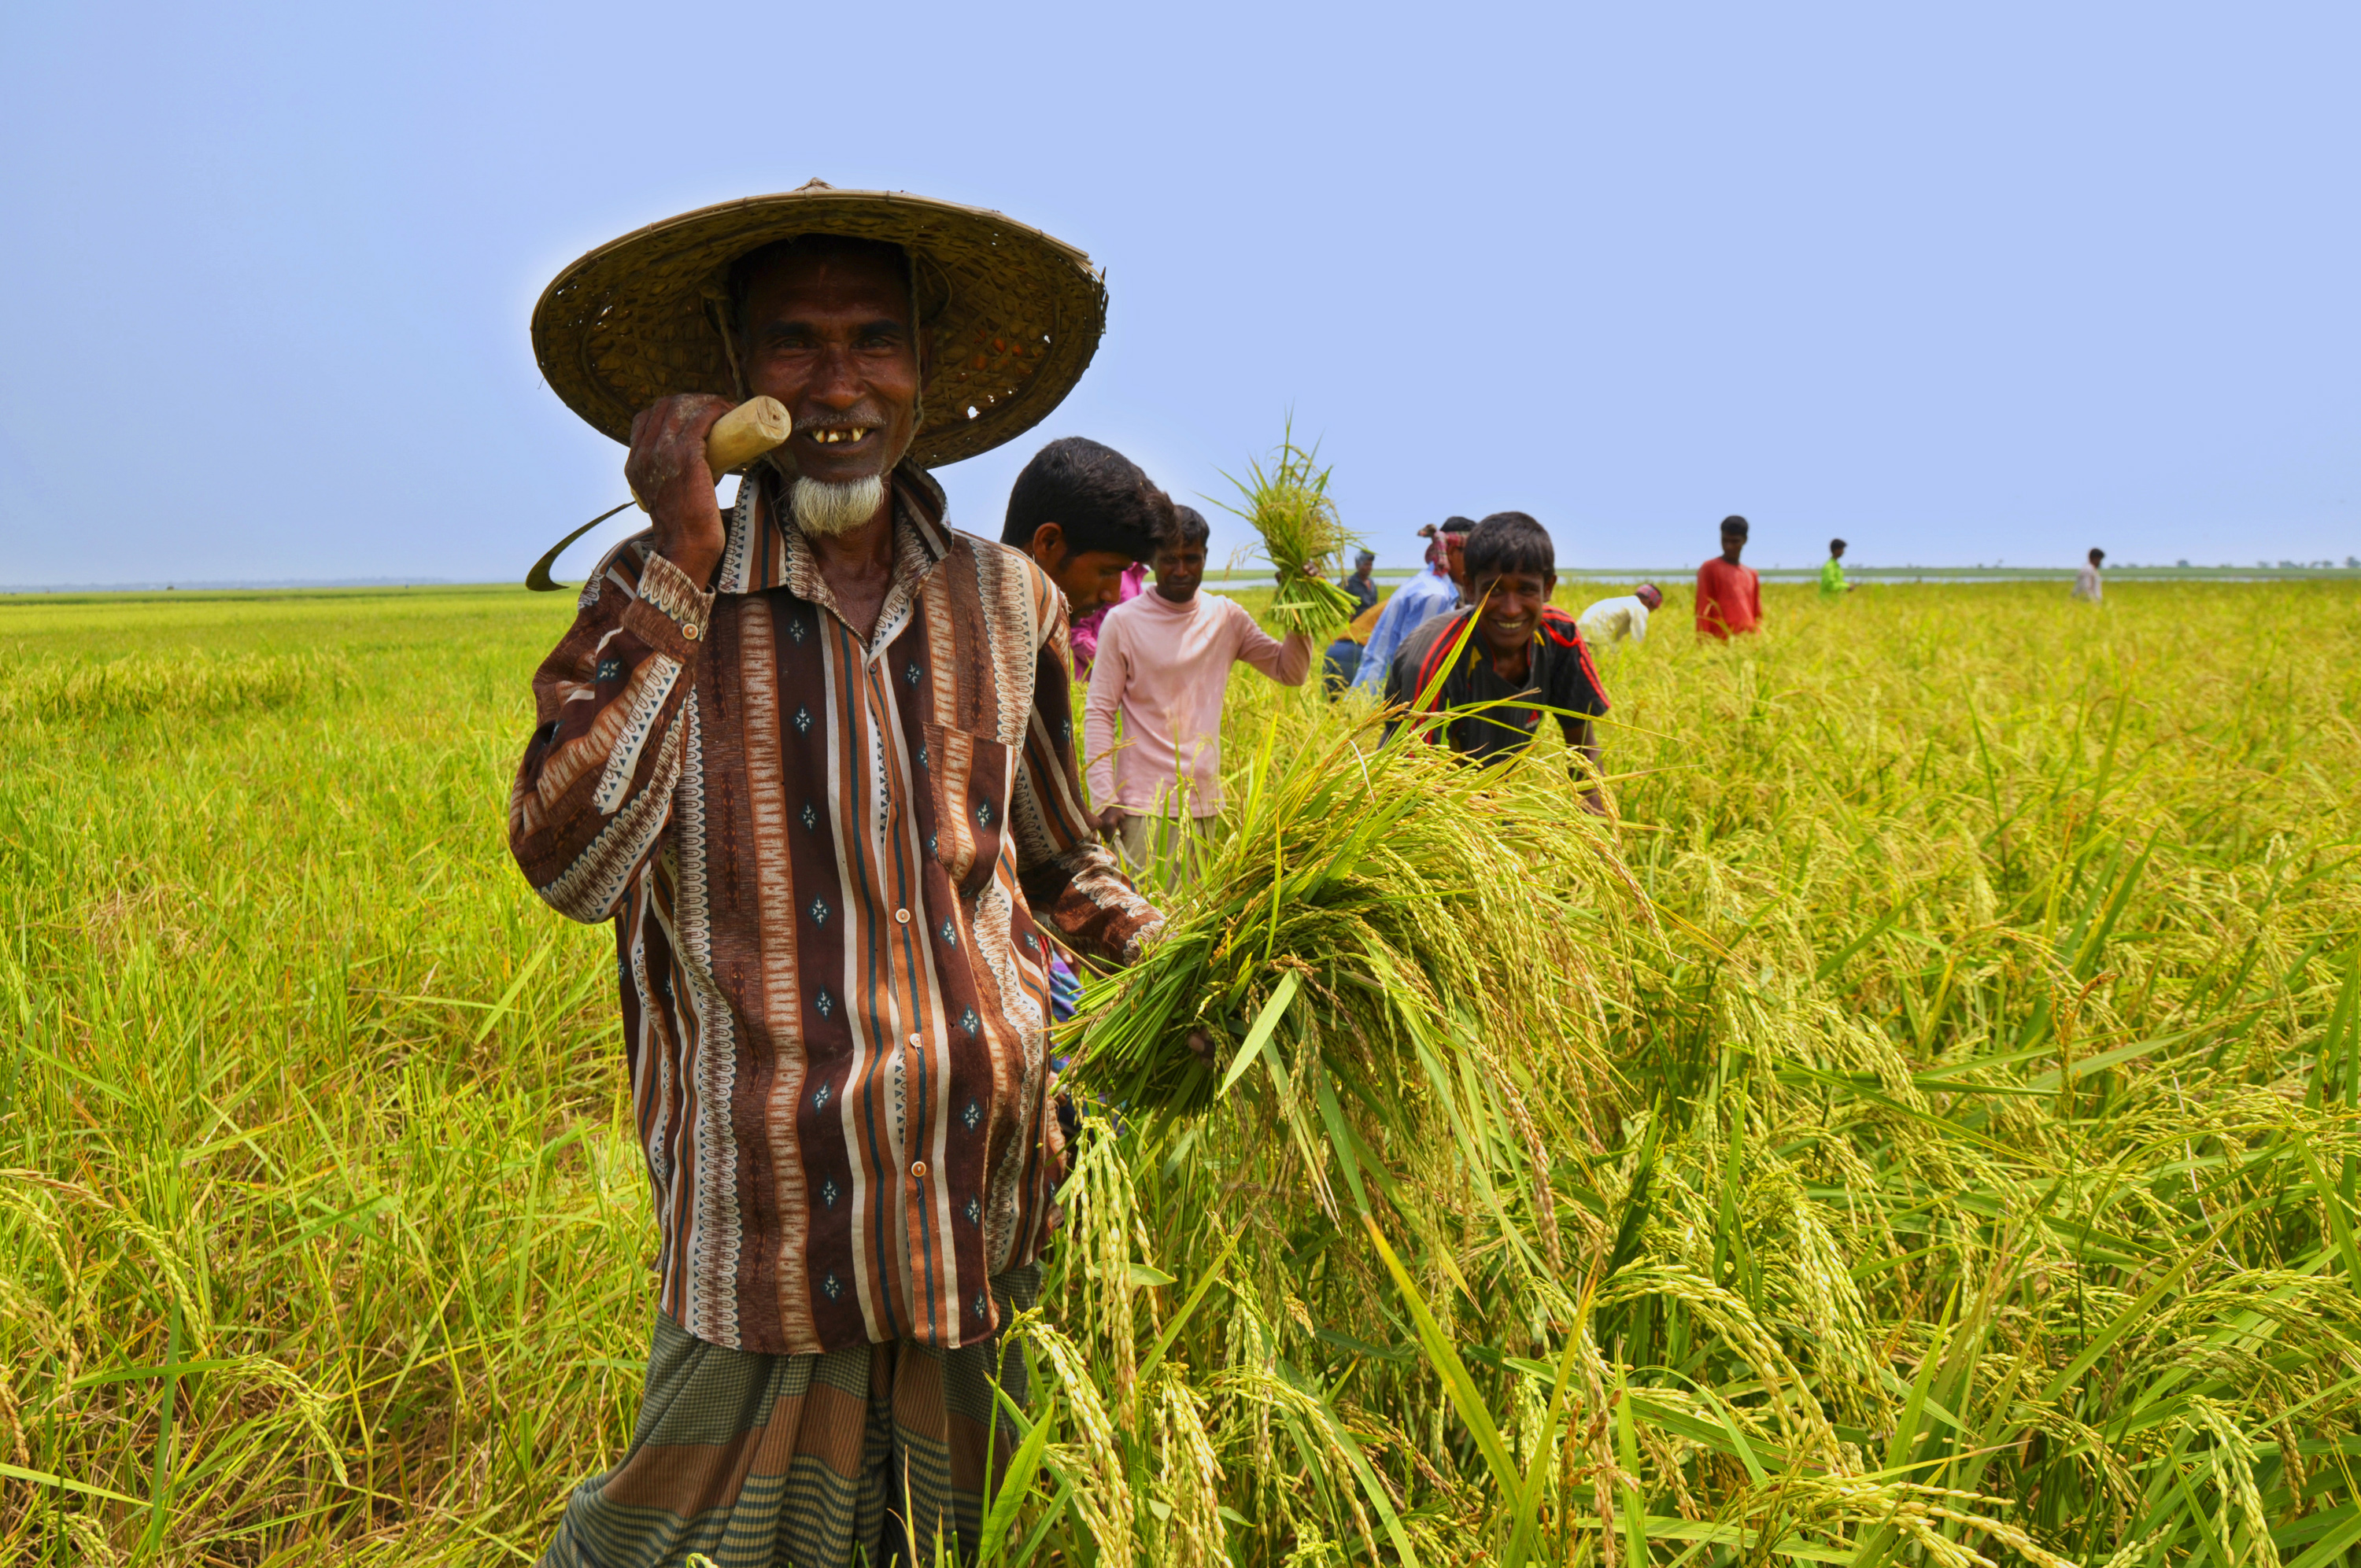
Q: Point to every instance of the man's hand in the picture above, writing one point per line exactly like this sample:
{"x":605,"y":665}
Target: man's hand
{"x":1110,"y":819}
{"x":1590,"y":776}
{"x":1201,"y":1046}
{"x":668,"y":476}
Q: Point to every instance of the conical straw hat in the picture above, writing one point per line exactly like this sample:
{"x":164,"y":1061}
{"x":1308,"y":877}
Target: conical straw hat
{"x":1009,"y":316}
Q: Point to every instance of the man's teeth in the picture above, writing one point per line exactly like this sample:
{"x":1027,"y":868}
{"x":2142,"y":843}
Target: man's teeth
{"x":835,"y":434}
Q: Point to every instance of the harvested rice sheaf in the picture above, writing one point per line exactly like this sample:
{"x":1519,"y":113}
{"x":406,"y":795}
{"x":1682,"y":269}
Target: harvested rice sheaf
{"x":1373,"y":901}
{"x":1302,"y":534}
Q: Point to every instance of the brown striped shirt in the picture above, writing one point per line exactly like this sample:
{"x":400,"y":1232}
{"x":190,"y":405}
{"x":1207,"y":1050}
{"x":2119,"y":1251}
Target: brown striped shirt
{"x":828,"y":863}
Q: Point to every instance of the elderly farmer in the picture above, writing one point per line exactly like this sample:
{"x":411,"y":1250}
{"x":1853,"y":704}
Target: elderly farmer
{"x":814,"y":760}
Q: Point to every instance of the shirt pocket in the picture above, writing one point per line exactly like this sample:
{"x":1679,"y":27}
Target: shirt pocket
{"x":967,"y":804}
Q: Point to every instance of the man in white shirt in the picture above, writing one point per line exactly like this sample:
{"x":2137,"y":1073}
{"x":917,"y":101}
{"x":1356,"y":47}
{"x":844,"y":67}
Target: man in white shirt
{"x":1614,"y":620}
{"x":2086,"y":581}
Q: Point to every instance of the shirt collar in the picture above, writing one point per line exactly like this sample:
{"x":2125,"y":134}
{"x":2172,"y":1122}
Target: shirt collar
{"x":765,"y":549}
{"x":760,"y":541}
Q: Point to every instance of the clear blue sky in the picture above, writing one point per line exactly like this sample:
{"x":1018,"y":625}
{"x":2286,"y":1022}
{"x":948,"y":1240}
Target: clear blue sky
{"x":1975,"y":283}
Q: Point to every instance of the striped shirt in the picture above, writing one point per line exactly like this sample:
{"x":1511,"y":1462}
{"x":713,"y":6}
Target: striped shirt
{"x":829,"y":862}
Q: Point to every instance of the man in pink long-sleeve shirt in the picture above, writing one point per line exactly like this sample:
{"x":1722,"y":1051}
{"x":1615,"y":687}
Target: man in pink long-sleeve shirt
{"x":1163,"y":665}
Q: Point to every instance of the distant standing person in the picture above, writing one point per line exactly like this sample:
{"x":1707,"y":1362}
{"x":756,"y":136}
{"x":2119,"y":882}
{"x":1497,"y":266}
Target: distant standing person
{"x":1832,"y":578}
{"x":1620,"y":619}
{"x":1341,"y":662}
{"x":1163,"y":667}
{"x":1521,"y":649}
{"x":1729,"y":595}
{"x":2086,"y":581}
{"x":1361,"y":584}
{"x":1417,"y":601}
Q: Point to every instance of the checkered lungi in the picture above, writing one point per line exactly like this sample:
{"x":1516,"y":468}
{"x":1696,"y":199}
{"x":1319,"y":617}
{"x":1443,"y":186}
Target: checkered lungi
{"x":866,"y":1455}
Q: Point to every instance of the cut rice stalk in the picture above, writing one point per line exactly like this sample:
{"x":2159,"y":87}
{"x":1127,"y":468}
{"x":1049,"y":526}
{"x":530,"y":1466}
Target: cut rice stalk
{"x":1291,"y":510}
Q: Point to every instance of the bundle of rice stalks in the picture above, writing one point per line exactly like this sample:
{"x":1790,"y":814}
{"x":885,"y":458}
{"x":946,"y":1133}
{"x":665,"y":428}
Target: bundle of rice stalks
{"x":1378,"y":912}
{"x":1291,"y":510}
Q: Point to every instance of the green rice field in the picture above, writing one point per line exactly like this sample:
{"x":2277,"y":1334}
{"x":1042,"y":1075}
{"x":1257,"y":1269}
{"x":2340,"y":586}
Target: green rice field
{"x":1921,"y":1125}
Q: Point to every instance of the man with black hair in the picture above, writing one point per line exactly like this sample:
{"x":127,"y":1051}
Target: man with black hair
{"x":1084,"y":512}
{"x":1342,"y":659}
{"x":1508,"y":658}
{"x":1729,"y":595}
{"x":1429,"y":594}
{"x":1832,"y":577}
{"x":2086,"y":581}
{"x":1163,"y":668}
{"x":812,"y":760}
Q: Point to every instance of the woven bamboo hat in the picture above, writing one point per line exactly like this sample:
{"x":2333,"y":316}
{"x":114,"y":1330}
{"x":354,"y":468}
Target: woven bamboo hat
{"x":1009,"y":316}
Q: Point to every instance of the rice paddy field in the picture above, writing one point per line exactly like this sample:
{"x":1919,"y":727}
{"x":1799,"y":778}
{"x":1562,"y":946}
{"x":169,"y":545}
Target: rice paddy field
{"x":1919,"y":1125}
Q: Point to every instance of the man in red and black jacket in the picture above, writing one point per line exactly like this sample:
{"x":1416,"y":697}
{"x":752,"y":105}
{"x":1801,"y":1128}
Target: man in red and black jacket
{"x":1523,"y":657}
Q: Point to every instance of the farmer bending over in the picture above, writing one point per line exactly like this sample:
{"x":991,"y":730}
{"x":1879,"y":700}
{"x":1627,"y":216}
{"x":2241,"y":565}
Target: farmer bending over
{"x":1620,"y":619}
{"x":813,"y":760}
{"x":1163,"y":667}
{"x":1523,"y":658}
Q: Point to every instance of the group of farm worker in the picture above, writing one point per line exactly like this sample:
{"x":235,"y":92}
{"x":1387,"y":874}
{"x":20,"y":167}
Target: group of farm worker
{"x":1158,"y":659}
{"x":812,"y":755}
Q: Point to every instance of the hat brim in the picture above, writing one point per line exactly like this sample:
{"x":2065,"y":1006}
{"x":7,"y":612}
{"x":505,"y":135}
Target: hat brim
{"x":1009,"y":316}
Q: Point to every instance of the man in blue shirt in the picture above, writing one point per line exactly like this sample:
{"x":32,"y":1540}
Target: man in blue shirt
{"x":1431,"y":593}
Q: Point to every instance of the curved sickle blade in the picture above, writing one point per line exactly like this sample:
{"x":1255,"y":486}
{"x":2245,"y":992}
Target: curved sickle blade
{"x":538,"y":579}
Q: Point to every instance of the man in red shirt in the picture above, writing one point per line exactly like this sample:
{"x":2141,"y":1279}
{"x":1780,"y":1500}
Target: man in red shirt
{"x":1729,"y":595}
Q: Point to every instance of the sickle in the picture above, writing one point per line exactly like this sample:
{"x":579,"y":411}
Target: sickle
{"x":737,"y":438}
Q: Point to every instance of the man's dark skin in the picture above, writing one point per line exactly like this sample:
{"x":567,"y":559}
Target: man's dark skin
{"x":1180,"y":571}
{"x":1089,"y":578}
{"x":831,"y":337}
{"x":1508,"y":607}
{"x":1455,"y":561}
{"x":1733,"y":544}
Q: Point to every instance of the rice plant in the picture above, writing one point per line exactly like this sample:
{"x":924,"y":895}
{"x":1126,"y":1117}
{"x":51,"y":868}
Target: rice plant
{"x":1923,"y":1125}
{"x":1296,"y":523}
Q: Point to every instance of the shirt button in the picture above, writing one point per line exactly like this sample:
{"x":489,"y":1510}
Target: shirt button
{"x":913,"y":1042}
{"x":901,"y":915}
{"x":918,"y":1169}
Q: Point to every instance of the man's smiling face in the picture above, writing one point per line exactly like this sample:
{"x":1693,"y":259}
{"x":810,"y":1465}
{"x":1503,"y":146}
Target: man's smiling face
{"x":1513,"y":605}
{"x":830,"y":335}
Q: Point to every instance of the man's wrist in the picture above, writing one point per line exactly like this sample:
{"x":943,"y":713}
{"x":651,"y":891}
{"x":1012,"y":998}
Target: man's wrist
{"x":672,"y":613}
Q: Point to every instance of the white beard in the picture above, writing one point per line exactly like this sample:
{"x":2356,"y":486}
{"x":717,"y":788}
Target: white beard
{"x":825,"y":510}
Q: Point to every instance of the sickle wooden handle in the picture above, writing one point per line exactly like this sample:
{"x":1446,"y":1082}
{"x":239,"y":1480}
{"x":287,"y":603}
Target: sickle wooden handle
{"x":745,"y":433}
{"x":737,"y":438}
